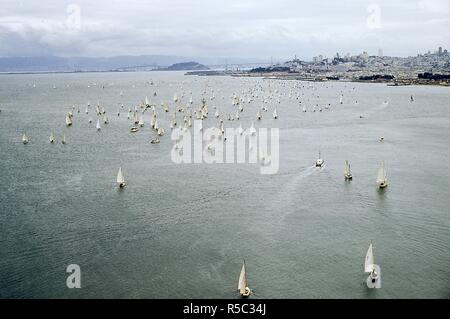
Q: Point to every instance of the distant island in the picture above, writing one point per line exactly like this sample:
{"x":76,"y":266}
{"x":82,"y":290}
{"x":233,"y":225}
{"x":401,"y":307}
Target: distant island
{"x":185,"y":66}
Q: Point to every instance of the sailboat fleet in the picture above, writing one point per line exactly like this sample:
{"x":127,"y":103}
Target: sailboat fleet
{"x":186,"y":110}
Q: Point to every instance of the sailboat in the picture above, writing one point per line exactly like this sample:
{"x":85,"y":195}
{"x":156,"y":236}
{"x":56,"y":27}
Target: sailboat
{"x":304,"y":109}
{"x":347,"y":173}
{"x":68,"y":120}
{"x":98,"y":125}
{"x":374,"y":278}
{"x":147,"y":103}
{"x":141,"y":120}
{"x":120,"y":178}
{"x":63,"y":139}
{"x":155,"y":140}
{"x":252,"y":129}
{"x":319,"y":161}
{"x":275,"y":115}
{"x":24,"y":138}
{"x":243,"y":288}
{"x":381,"y":178}
{"x":52,"y":138}
{"x":258,"y":115}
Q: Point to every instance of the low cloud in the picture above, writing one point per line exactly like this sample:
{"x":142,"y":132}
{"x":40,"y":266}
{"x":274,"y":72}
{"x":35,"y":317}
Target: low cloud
{"x":210,"y":28}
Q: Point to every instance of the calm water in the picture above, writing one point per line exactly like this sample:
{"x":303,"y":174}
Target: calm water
{"x":181,"y":231}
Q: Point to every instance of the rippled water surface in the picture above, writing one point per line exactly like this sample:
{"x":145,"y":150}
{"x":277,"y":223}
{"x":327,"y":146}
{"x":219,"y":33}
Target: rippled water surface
{"x":182,"y":230}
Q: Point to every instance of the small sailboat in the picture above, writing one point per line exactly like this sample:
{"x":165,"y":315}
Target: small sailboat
{"x":52,"y":138}
{"x":24,"y":138}
{"x":98,"y":125}
{"x":374,"y":278}
{"x":347,"y":172}
{"x":275,"y":115}
{"x":141,"y":121}
{"x":319,"y":161}
{"x":243,"y":288}
{"x":63,"y":141}
{"x":381,"y":178}
{"x":304,"y":109}
{"x":252,"y":129}
{"x":68,"y":120}
{"x":258,"y":115}
{"x":120,"y":178}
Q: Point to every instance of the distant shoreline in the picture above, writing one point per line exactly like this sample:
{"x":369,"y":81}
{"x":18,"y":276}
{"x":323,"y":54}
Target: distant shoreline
{"x":94,"y":71}
{"x":273,"y":76}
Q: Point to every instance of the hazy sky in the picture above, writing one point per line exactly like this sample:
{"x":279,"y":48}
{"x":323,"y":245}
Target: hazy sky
{"x":210,"y":28}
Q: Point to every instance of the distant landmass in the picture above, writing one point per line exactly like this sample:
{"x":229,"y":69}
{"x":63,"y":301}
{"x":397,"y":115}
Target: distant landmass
{"x":116,"y":63}
{"x":186,"y":66}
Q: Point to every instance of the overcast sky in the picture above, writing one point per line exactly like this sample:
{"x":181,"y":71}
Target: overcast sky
{"x":211,"y":28}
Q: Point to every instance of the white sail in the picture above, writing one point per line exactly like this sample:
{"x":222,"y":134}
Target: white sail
{"x":275,"y":113}
{"x":381,"y":178}
{"x":63,"y":139}
{"x":347,"y":168}
{"x":141,"y":120}
{"x":147,"y":103}
{"x":98,"y":124}
{"x":120,"y":178}
{"x":68,"y":120}
{"x":369,"y":261}
{"x":242,"y":284}
{"x":24,"y":138}
{"x":52,"y":138}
